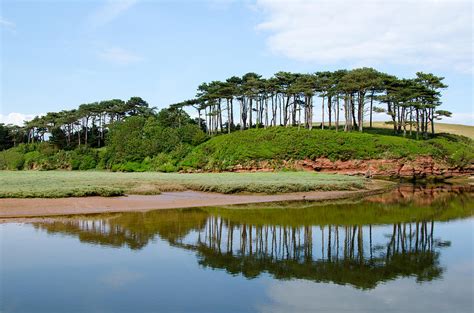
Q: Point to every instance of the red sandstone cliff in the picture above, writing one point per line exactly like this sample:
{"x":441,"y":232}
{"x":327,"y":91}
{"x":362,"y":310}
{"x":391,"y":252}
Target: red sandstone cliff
{"x":419,"y":167}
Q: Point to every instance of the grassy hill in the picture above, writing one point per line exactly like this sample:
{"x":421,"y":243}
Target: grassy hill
{"x":225,"y":151}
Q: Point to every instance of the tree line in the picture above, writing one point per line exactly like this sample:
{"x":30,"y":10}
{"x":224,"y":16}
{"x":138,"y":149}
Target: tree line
{"x":86,"y":125}
{"x":346,"y":99}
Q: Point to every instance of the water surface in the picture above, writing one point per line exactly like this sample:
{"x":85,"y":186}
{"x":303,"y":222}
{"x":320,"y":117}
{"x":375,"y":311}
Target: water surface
{"x":407,"y":251}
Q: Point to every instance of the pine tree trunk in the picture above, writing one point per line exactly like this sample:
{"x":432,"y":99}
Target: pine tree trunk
{"x":432,"y":122}
{"x":228,"y":116}
{"x":232,"y":112}
{"x":266,"y":112}
{"x":371,"y":107}
{"x":220,"y":116}
{"x":354,"y":122}
{"x":330,"y":111}
{"x":361,"y":111}
{"x":250,"y":114}
{"x":322,"y":118}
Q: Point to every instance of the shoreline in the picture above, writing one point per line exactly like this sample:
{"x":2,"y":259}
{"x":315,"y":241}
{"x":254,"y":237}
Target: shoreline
{"x":14,"y":208}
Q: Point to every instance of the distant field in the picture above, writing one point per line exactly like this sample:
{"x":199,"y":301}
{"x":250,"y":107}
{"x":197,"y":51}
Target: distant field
{"x":56,"y":184}
{"x":456,"y":129}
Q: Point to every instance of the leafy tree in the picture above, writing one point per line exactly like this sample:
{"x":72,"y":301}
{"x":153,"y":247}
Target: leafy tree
{"x":174,"y":117}
{"x":6,"y":141}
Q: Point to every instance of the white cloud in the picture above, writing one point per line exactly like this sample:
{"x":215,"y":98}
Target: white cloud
{"x":16,"y":118}
{"x":119,"y":56}
{"x":433,"y":33}
{"x":6,"y":23}
{"x":108,"y":12}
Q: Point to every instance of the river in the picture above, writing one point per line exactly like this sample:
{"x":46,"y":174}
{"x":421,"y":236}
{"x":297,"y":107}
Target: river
{"x":410,"y":250}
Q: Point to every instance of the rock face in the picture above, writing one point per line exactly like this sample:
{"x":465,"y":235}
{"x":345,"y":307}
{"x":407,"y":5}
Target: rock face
{"x":421,"y":167}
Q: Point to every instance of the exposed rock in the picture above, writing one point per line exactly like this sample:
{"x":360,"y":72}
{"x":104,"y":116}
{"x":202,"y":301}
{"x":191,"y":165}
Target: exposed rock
{"x":421,"y":167}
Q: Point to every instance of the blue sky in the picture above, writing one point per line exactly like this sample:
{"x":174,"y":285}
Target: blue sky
{"x":59,"y":54}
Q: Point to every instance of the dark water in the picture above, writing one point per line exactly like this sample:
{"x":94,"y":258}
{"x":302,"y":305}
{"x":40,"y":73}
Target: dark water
{"x":408,"y":251}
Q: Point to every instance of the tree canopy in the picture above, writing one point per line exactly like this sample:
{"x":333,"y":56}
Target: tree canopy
{"x":347,"y":99}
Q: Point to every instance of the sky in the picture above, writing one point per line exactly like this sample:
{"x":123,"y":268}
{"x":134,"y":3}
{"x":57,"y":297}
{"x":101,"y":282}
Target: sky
{"x":56,"y":55}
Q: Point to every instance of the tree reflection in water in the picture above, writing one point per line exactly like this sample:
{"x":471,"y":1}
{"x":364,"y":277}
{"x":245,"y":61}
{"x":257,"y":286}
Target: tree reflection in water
{"x":360,"y":243}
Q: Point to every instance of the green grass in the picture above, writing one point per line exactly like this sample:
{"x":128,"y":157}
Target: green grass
{"x":279,"y":144}
{"x":55,"y":184}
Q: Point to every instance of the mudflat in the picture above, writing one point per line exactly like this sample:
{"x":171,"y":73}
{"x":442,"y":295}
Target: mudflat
{"x":35,"y":207}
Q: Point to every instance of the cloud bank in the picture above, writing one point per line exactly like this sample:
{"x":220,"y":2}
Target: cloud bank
{"x":16,"y":118}
{"x":432,"y":33}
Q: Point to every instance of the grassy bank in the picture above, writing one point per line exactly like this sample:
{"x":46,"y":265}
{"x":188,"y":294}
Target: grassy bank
{"x":55,"y":184}
{"x":279,"y":144}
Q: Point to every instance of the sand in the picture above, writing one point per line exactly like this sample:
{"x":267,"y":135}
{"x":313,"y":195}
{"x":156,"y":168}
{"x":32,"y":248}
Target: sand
{"x":36,"y":207}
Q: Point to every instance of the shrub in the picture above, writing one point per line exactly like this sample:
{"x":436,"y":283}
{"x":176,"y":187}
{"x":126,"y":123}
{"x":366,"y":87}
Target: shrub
{"x":130,"y":167}
{"x":11,"y":159}
{"x":32,"y":159}
{"x":88,"y":162}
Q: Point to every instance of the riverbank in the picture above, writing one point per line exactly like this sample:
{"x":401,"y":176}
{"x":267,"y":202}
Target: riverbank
{"x":20,"y":208}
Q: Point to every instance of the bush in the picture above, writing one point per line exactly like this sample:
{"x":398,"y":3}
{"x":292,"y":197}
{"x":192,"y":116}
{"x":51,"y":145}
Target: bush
{"x":130,"y":167}
{"x":87,"y":163}
{"x":138,"y":137}
{"x":32,"y":159}
{"x":11,"y":159}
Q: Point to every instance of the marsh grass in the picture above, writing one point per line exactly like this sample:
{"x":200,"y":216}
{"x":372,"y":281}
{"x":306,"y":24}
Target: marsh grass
{"x":56,"y":184}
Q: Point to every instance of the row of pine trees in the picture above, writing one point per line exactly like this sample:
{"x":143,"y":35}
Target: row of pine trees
{"x":347,"y":98}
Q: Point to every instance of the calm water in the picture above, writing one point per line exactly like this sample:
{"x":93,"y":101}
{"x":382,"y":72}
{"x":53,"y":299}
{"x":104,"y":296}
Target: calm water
{"x":407,"y":251}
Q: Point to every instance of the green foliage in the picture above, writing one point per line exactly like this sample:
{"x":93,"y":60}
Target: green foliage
{"x":163,"y":162}
{"x":32,"y":158}
{"x":11,"y":159}
{"x":125,"y":140}
{"x":132,"y":141}
{"x":5,"y":137}
{"x":130,"y":167}
{"x":173,"y":117}
{"x":45,"y":156}
{"x":457,"y":150}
